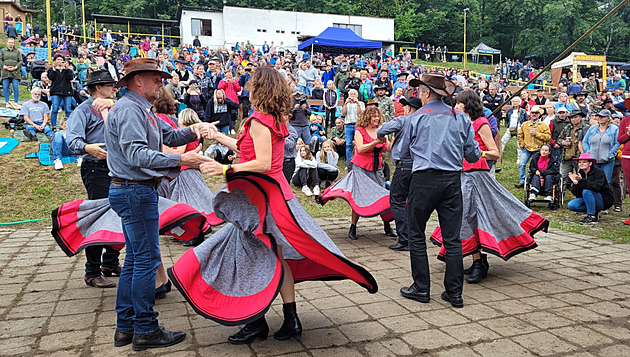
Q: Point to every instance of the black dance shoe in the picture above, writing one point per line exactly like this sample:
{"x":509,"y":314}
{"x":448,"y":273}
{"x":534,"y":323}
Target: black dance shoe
{"x":484,"y":260}
{"x":291,"y":327}
{"x":399,"y":247}
{"x":413,"y":293}
{"x":352,"y":233}
{"x":389,"y":231}
{"x":250,"y":332}
{"x":193,"y":242}
{"x":455,"y":299}
{"x":158,"y":339}
{"x":478,"y":273}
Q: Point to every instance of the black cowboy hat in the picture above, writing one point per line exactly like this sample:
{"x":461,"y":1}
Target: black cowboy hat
{"x":379,"y":86}
{"x":402,"y":74}
{"x":102,"y":76}
{"x":583,"y":92}
{"x":412,"y":102}
{"x":576,"y":113}
{"x":181,"y":59}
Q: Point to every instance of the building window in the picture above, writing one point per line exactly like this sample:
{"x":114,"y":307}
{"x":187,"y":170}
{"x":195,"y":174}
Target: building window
{"x":358,"y":29}
{"x":201,"y":27}
{"x":261,"y":30}
{"x":279,"y":31}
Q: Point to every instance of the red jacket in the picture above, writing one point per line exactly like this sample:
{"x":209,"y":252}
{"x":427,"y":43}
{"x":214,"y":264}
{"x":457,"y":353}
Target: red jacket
{"x":231,"y":89}
{"x":623,"y":137}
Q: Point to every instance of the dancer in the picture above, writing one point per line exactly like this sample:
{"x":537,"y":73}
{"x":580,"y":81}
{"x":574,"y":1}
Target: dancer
{"x":270,"y":241}
{"x":480,"y":230}
{"x":134,"y":137}
{"x":402,"y":175}
{"x":364,"y":186}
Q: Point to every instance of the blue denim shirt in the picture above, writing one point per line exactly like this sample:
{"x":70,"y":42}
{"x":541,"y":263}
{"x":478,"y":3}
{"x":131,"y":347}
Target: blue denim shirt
{"x":440,"y":139}
{"x":134,"y":137}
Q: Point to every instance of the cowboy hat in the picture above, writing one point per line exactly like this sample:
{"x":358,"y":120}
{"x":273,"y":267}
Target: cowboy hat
{"x":379,"y":86}
{"x":538,"y":109}
{"x":412,"y":102}
{"x":102,"y":76}
{"x":626,"y":103}
{"x":561,"y":109}
{"x":583,"y":92}
{"x":604,"y":113}
{"x":585,"y":156}
{"x":371,"y":102}
{"x":437,"y":83}
{"x":181,"y":59}
{"x":139,"y":65}
{"x":576,"y":113}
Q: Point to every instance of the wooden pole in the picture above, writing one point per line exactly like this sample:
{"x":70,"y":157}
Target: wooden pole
{"x":83,"y":20}
{"x":48,"y":34}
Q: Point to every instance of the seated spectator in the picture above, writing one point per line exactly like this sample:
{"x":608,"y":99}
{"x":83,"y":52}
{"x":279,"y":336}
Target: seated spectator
{"x":327,"y":160}
{"x":531,"y":136}
{"x":306,"y":172}
{"x":298,"y":144}
{"x":591,"y":189}
{"x":338,"y":137}
{"x":318,"y":89}
{"x":60,"y":147}
{"x":318,"y":133}
{"x":36,"y":115}
{"x":219,"y":109}
{"x":544,"y":170}
{"x":44,"y":85}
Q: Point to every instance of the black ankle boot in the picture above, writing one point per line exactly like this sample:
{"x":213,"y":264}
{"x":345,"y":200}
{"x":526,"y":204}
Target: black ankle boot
{"x":291,"y":327}
{"x":352,"y":233}
{"x":388,"y":230}
{"x":478,"y":273}
{"x":250,"y":332}
{"x":194,"y":242}
{"x":484,"y":260}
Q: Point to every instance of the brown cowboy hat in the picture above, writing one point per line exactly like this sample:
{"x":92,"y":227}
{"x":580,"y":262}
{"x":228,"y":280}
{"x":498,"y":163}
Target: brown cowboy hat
{"x":371,"y":102}
{"x":436,"y":82}
{"x":626,"y":103}
{"x":138,"y":65}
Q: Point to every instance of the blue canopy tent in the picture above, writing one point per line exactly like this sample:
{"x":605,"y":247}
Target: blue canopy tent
{"x":339,"y":40}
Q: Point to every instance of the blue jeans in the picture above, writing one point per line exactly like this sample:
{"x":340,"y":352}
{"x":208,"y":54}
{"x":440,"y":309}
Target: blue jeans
{"x":608,"y":169}
{"x":137,"y":206}
{"x":349,"y":141}
{"x":224,"y":129}
{"x":522,"y":165}
{"x":590,"y":202}
{"x":303,"y":132}
{"x":16,"y":89}
{"x":59,"y":146}
{"x":303,"y":89}
{"x":58,"y":100}
{"x":47,"y":130}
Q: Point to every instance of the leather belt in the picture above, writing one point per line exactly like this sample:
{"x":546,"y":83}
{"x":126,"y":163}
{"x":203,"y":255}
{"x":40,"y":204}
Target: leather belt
{"x":155,"y":183}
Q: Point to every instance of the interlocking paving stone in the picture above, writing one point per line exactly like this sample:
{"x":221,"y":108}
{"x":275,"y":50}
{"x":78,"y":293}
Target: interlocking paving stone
{"x":569,"y":297}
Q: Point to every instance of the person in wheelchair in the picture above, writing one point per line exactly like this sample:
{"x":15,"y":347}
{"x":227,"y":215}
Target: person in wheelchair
{"x":544,"y":172}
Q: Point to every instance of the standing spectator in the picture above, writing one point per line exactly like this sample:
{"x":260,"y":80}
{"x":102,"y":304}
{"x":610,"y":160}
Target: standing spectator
{"x":288,"y":165}
{"x":145,"y":46}
{"x":327,"y":160}
{"x":366,"y":88}
{"x":401,"y":82}
{"x":556,"y":127}
{"x":244,"y":96}
{"x":300,"y":114}
{"x":532,"y":135}
{"x":331,"y":98}
{"x":492,"y":100}
{"x":311,"y":74}
{"x":220,"y":109}
{"x":231,"y":88}
{"x":385,"y":103}
{"x":351,"y":110}
{"x":514,"y":118}
{"x":36,"y":114}
{"x":61,"y":89}
{"x":152,"y":53}
{"x":328,"y":75}
{"x":600,"y":142}
{"x":563,"y":101}
{"x":12,"y":31}
{"x":384,"y":81}
{"x":570,"y":140}
{"x":11,"y":62}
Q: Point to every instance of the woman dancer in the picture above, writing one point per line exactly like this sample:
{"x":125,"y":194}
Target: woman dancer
{"x":270,"y":241}
{"x":510,"y":235}
{"x":364,"y":186}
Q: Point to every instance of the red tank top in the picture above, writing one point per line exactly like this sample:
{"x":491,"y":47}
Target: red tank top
{"x":482,"y":164}
{"x":245,"y":145}
{"x":371,"y":160}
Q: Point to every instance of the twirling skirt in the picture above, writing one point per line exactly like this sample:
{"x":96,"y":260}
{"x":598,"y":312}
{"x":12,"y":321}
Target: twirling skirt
{"x":493,"y":219}
{"x":365,"y":192}
{"x":233,"y":277}
{"x":82,"y":223}
{"x":189,"y":187}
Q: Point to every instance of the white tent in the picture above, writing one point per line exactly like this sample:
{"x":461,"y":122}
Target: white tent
{"x":575,"y":60}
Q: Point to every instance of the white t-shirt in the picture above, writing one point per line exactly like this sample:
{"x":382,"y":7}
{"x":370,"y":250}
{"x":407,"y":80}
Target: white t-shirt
{"x":514,"y":118}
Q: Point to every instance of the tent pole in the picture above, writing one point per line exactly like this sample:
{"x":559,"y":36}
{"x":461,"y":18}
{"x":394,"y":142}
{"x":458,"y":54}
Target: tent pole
{"x":562,"y":55}
{"x":311,"y":51}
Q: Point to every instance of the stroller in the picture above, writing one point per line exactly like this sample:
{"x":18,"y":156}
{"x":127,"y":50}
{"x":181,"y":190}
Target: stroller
{"x":37,"y":68}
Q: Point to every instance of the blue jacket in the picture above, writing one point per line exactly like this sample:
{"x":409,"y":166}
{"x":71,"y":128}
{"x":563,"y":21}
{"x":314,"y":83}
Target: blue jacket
{"x":242,"y":82}
{"x":328,"y":76}
{"x":612,"y":131}
{"x":523,"y":117}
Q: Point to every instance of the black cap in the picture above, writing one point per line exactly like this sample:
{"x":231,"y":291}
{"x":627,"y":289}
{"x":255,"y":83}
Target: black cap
{"x":102,"y":76}
{"x":412,"y":102}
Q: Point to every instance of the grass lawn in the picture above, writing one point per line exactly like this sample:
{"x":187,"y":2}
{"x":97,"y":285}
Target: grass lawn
{"x":29,"y":190}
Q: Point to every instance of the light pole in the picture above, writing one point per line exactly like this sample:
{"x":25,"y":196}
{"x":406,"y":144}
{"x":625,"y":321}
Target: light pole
{"x":48,"y":34}
{"x":465,"y":54}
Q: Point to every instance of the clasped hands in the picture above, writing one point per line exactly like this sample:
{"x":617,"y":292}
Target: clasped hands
{"x":205,"y":164}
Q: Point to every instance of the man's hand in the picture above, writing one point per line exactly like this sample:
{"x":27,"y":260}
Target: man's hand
{"x":566,"y":143}
{"x":206,"y":130}
{"x":532,"y":132}
{"x":538,"y":172}
{"x":193,"y":158}
{"x":295,"y":107}
{"x":556,"y":146}
{"x":96,"y":150}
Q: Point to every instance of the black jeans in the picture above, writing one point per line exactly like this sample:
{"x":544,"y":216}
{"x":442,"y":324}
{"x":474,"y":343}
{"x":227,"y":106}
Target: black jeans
{"x":398,"y":194}
{"x":288,"y":168}
{"x":330,"y":118}
{"x":436,"y":190}
{"x":95,"y":176}
{"x":615,"y":184}
{"x":306,"y":177}
{"x":325,"y":175}
{"x":547,"y":187}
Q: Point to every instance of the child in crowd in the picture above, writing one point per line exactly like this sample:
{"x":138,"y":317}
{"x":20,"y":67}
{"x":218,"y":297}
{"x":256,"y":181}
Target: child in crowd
{"x":306,"y":172}
{"x":318,"y":133}
{"x":327,"y":159}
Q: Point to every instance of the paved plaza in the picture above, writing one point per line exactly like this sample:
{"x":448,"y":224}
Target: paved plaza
{"x":568,"y":297}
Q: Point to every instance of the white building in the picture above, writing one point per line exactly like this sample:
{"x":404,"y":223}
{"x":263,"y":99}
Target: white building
{"x":223,"y":28}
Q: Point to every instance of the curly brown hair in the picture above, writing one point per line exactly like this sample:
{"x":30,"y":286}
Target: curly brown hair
{"x":366,"y":116}
{"x":270,"y":93}
{"x":165,"y":104}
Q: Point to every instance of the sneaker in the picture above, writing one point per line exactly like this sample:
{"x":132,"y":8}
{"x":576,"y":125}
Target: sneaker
{"x":519,"y":185}
{"x":617,"y":208}
{"x":58,"y":164}
{"x":79,"y":161}
{"x":232,"y":132}
{"x":29,"y":135}
{"x":604,"y":211}
{"x":307,"y":191}
{"x":532,"y":196}
{"x":316,"y":190}
{"x":590,"y":218}
{"x":548,"y":198}
{"x":627,"y":221}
